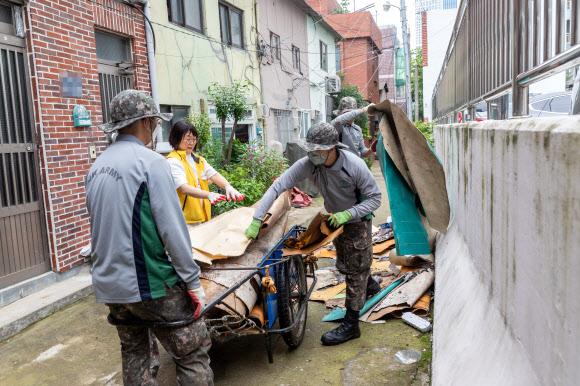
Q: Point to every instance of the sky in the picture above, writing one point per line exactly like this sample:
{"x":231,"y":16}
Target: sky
{"x":393,"y":16}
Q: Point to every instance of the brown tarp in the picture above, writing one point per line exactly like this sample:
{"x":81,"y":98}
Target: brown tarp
{"x":425,"y":175}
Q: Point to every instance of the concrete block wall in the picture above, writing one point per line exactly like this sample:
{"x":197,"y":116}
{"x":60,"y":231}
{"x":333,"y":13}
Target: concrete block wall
{"x":507,"y":308}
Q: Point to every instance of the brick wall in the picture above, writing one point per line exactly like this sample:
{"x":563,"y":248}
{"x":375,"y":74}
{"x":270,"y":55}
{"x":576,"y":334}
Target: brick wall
{"x":61,"y":38}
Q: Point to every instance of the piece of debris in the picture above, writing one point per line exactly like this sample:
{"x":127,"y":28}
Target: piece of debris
{"x":416,"y":321}
{"x":378,"y":322}
{"x":408,"y":357}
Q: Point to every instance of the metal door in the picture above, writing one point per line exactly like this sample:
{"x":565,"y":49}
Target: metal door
{"x":23,"y":237}
{"x":284,"y":126}
{"x":111,"y":83}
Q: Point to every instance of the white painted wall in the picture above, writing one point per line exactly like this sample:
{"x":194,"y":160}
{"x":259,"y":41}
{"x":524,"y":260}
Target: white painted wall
{"x":507,"y":309}
{"x":317,"y":33}
{"x":439,"y":28}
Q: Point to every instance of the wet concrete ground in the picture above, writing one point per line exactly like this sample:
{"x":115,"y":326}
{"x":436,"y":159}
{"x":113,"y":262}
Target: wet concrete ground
{"x":76,"y":346}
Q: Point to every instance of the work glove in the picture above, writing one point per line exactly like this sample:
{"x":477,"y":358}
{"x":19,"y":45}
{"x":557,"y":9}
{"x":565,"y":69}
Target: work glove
{"x":198,"y":299}
{"x":233,"y":194}
{"x":253,"y":229}
{"x":366,"y":108}
{"x":337,"y":219}
{"x":214,"y":198}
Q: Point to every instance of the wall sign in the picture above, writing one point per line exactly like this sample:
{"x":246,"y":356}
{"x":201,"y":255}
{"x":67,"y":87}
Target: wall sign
{"x":81,"y":116}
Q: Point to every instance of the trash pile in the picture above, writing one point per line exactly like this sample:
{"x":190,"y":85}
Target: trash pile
{"x":405,"y":280}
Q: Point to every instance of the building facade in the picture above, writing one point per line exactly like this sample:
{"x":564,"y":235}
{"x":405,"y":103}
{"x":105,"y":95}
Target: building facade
{"x":391,"y":69}
{"x":322,"y":39}
{"x":429,"y":5}
{"x":200,"y":42}
{"x":61,"y":60}
{"x":285,"y":68}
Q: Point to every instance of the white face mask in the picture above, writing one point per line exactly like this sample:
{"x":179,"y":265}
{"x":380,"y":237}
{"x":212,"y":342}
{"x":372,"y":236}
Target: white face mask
{"x":154,"y":136}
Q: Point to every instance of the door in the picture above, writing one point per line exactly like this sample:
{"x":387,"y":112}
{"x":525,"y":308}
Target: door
{"x":284,"y":127}
{"x":23,"y":236}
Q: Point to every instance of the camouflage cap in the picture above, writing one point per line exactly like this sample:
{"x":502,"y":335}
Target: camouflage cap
{"x":321,"y":136}
{"x":345,"y":105}
{"x":129,"y":106}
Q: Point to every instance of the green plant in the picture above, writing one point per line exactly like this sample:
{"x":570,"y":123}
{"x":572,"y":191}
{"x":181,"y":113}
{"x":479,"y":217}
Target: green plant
{"x":240,"y":179}
{"x":214,"y":154}
{"x":369,"y":162}
{"x":343,"y":7}
{"x":230,"y":102}
{"x":202,"y":123}
{"x":350,"y":90}
{"x":417,"y":60}
{"x":427,"y":129}
{"x":265,"y":165}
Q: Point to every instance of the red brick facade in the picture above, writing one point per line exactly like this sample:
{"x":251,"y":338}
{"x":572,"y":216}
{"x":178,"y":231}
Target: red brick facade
{"x":61,"y":38}
{"x":360,"y":51}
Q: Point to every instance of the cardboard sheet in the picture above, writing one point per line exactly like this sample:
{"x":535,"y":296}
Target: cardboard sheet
{"x":420,"y":308}
{"x":381,"y":248}
{"x":324,"y":295}
{"x":314,"y":247}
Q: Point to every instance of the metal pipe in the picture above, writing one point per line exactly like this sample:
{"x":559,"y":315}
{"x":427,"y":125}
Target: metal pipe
{"x":561,"y":62}
{"x":519,"y":93}
{"x":151,"y":59}
{"x":407,"y":61}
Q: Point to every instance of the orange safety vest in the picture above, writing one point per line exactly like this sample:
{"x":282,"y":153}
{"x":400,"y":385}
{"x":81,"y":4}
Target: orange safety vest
{"x":192,"y":209}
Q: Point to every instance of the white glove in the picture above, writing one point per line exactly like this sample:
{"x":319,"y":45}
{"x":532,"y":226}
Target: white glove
{"x":366,"y":108}
{"x":198,"y":299}
{"x":214,"y":198}
{"x":233,"y":194}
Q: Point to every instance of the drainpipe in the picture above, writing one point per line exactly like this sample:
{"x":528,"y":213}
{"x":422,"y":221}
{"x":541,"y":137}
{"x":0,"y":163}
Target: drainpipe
{"x":261,"y":77}
{"x":150,"y":55}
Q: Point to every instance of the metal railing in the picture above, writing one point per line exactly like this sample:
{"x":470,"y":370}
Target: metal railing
{"x":503,"y":46}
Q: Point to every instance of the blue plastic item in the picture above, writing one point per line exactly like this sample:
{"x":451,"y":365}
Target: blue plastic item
{"x":410,"y":234}
{"x":339,"y":312}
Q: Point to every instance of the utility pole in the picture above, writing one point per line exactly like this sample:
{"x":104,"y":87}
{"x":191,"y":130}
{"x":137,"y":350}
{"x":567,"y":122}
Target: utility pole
{"x":416,"y":92}
{"x":407,"y":49}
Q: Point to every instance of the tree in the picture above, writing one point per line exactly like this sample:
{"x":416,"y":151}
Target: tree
{"x":417,"y":59}
{"x":343,"y":7}
{"x":350,"y":90}
{"x":230,"y":102}
{"x":202,"y":123}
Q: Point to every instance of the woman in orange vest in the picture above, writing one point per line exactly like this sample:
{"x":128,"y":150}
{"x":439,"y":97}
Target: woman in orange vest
{"x":191,"y":174}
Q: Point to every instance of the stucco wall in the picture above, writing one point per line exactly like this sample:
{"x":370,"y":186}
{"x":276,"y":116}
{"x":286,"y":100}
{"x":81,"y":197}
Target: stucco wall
{"x":514,"y":190}
{"x":188,"y":62}
{"x":316,"y":34}
{"x":285,"y":88}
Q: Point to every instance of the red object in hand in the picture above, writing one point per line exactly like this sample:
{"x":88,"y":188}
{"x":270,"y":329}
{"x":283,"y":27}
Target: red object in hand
{"x":374,"y":146}
{"x":196,"y":304}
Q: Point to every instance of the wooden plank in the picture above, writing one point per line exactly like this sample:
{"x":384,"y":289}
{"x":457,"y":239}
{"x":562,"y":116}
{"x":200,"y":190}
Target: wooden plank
{"x":26,"y":237}
{"x":39,"y":253}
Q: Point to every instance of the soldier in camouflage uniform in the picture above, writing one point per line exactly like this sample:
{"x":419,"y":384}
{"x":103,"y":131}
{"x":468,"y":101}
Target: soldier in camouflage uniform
{"x":349,"y":132}
{"x":136,"y":224}
{"x":351,"y":193}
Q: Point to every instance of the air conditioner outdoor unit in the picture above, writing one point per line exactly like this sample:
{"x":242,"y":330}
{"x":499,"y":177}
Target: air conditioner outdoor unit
{"x":333,"y":84}
{"x":262,"y":111}
{"x":312,"y":114}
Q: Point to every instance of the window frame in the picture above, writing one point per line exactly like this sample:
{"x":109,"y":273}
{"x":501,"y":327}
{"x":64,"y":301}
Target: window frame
{"x":324,"y":58}
{"x":278,"y":54}
{"x":296,"y":60}
{"x":337,"y":58}
{"x":184,"y":24}
{"x":164,"y":146}
{"x":240,"y":12}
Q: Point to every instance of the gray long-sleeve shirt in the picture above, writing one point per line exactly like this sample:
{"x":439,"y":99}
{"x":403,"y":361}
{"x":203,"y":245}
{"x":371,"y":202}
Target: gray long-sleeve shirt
{"x":339,"y":185}
{"x":136,"y":217}
{"x":350,"y":135}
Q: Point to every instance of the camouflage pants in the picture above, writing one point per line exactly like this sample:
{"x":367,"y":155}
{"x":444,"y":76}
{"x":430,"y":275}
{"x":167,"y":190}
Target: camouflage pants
{"x":354,"y":256}
{"x":188,"y":345}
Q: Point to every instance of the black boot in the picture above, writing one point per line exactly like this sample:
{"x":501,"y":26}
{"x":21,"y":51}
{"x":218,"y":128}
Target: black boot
{"x":373,"y":287}
{"x":346,"y":331}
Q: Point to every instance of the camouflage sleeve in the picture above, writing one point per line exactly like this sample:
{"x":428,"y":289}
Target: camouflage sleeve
{"x":346,"y":117}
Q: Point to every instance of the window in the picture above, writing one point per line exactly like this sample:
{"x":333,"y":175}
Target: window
{"x":296,"y":58}
{"x":179,"y":113}
{"x":337,"y":57}
{"x":323,"y":57}
{"x":111,"y":47}
{"x":186,"y":13}
{"x":231,"y":25}
{"x":275,"y":46}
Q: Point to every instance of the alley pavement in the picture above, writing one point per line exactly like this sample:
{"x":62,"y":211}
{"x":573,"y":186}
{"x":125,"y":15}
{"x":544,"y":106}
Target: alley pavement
{"x":77,"y":346}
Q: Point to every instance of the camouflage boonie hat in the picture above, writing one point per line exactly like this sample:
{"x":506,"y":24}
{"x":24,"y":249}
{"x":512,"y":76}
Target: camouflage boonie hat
{"x":322,"y":136}
{"x":345,"y":105}
{"x":129,"y":106}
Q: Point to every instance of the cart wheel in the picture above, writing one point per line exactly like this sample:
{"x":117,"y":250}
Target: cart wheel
{"x":292,"y":289}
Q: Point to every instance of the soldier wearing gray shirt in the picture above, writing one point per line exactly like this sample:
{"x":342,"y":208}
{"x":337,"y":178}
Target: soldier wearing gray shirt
{"x":351,"y":194}
{"x":349,"y":132}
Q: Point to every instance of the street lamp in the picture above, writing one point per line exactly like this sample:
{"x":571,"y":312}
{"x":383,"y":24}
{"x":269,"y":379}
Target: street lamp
{"x":407,"y":51}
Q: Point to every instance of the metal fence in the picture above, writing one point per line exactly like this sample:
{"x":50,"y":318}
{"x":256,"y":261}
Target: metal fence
{"x":503,"y":46}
